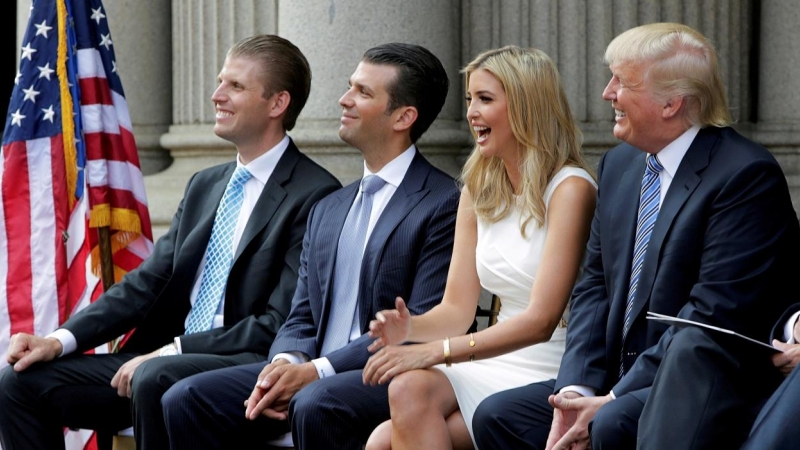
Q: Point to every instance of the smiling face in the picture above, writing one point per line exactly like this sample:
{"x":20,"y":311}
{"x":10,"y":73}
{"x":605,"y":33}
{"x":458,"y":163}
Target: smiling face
{"x":242,"y":111}
{"x":487,"y":113}
{"x":637,"y":112}
{"x":365,"y":123}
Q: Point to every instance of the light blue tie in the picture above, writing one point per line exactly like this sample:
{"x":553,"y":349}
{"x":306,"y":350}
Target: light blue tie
{"x":347,"y":271}
{"x":219,"y":254}
{"x":649,"y":198}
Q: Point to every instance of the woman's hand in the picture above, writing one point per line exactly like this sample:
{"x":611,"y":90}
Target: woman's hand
{"x":390,"y":326}
{"x":395,"y":359}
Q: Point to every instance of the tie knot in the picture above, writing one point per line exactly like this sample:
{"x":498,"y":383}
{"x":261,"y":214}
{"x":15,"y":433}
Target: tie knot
{"x":653,"y":164}
{"x":240,"y":176}
{"x":371,"y":184}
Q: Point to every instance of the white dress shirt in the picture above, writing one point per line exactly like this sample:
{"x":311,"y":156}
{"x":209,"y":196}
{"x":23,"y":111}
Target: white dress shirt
{"x":393,"y":173}
{"x":670,"y":158}
{"x":261,"y":168}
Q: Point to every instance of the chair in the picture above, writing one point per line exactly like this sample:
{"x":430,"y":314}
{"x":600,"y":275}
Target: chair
{"x":491,"y":313}
{"x":123,"y":440}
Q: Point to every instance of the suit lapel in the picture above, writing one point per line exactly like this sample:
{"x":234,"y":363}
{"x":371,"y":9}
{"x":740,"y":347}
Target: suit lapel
{"x":194,"y":246}
{"x":270,"y":199}
{"x":684,"y":183}
{"x":326,"y":243}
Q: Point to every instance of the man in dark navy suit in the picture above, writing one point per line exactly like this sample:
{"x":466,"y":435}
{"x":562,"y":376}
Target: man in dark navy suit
{"x":216,"y":289}
{"x":776,"y":424}
{"x":403,"y":250}
{"x":692,"y":220}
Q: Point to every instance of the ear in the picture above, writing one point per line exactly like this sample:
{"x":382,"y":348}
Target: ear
{"x":280,"y":102}
{"x":673,"y":107}
{"x":404,"y":117}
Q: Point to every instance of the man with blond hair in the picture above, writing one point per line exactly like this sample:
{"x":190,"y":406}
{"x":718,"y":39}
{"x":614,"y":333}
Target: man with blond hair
{"x":692,"y":220}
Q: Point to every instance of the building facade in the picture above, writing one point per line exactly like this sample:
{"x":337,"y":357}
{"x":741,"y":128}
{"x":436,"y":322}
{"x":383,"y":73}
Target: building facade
{"x":169,"y":54}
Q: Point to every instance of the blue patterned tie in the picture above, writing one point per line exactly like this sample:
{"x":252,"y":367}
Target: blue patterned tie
{"x":219,"y":254}
{"x":347,"y":272}
{"x":649,"y":198}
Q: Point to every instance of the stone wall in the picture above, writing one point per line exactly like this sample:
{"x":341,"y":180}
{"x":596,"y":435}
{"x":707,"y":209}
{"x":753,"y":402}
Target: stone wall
{"x":169,"y":56}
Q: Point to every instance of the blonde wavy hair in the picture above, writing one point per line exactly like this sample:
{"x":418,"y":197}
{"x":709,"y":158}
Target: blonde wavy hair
{"x":542,"y":123}
{"x":681,"y":62}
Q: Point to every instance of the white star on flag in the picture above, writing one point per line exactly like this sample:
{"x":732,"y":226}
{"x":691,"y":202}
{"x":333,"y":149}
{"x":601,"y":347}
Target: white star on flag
{"x":42,"y":28}
{"x":97,"y":14}
{"x":105,"y":40}
{"x":16,"y":118}
{"x":27,"y":52}
{"x":30,"y":94}
{"x":16,"y":78}
{"x":45,"y":71}
{"x":48,"y":113}
{"x":114,"y":66}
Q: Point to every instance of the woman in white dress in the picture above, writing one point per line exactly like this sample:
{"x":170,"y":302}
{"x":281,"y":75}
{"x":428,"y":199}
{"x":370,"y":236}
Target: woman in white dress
{"x":522,"y":226}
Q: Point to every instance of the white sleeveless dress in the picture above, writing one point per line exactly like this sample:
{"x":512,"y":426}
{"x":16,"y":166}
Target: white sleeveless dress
{"x":507,"y":264}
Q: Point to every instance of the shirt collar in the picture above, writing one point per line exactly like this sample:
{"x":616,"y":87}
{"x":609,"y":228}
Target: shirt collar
{"x":394,"y":172}
{"x":263,"y":166}
{"x":671,"y":156}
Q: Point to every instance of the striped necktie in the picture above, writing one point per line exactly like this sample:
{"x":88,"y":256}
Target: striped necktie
{"x":649,"y":199}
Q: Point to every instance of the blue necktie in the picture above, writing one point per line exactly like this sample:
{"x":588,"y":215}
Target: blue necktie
{"x":649,"y":198}
{"x":219,"y":254}
{"x":347,"y":271}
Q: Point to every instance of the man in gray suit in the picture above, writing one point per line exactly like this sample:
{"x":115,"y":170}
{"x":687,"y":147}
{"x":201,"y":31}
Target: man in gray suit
{"x":216,"y":289}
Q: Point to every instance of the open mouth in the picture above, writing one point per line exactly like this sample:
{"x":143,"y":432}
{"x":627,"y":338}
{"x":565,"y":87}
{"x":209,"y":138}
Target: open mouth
{"x":483,"y":133}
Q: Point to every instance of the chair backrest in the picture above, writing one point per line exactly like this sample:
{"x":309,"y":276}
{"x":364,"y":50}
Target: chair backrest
{"x":491,"y":313}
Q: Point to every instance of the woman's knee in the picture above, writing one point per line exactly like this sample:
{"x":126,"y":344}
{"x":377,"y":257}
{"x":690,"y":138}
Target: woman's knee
{"x":411,"y":390}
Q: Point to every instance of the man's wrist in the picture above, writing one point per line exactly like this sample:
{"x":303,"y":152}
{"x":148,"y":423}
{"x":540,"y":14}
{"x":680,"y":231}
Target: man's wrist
{"x":168,"y":350}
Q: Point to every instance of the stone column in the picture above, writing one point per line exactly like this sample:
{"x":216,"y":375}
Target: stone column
{"x":342,"y":31}
{"x":575,"y":34}
{"x":778,"y":124}
{"x":202,"y":33}
{"x":141,"y":32}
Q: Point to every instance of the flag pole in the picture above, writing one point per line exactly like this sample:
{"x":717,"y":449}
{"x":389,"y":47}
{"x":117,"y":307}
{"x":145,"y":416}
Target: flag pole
{"x":106,"y":261}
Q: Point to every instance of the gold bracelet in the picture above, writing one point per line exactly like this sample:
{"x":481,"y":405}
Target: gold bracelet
{"x":472,"y":344}
{"x":446,"y":348}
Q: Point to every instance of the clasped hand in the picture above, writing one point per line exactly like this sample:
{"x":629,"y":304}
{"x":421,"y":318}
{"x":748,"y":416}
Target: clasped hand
{"x":571,"y":417}
{"x":277,"y":384}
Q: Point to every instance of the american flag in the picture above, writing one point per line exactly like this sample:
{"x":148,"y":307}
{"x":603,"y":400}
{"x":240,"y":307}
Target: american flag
{"x":69,"y":165}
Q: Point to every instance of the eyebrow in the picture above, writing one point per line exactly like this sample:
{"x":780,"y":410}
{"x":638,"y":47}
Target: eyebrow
{"x":483,"y":92}
{"x":362,"y":86}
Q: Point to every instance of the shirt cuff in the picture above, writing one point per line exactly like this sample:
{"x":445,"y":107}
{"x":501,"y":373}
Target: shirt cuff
{"x":324,"y":367}
{"x":177,"y":342}
{"x":585,"y":391}
{"x":788,"y":329}
{"x":292,"y":357}
{"x":67,"y":339}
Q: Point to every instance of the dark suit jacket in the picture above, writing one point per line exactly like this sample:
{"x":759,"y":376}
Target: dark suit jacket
{"x":408,"y":255}
{"x":721,"y":253}
{"x":778,"y":329}
{"x":154,"y":298}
